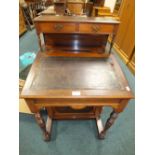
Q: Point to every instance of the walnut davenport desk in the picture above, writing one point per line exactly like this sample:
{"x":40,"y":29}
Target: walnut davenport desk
{"x":73,"y":77}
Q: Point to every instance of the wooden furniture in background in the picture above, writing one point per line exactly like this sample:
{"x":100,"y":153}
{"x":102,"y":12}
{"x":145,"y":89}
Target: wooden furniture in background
{"x":125,"y":38}
{"x":48,"y":3}
{"x":22,"y":26}
{"x":75,"y":7}
{"x":117,"y":7}
{"x":28,"y":15}
{"x":101,"y":11}
{"x":75,"y":36}
{"x":60,"y":6}
{"x":75,"y":88}
{"x":99,"y":2}
{"x":35,"y":8}
{"x":88,"y":9}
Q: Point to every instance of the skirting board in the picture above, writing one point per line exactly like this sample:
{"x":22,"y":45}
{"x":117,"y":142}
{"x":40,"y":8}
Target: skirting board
{"x":131,"y":66}
{"x":121,"y":53}
{"x":125,"y":58}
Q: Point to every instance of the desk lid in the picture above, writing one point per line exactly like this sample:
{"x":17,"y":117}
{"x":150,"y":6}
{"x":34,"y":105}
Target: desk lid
{"x":53,"y":77}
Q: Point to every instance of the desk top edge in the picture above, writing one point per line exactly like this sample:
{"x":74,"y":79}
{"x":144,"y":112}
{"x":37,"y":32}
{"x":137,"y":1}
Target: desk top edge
{"x":77,"y":19}
{"x":26,"y":93}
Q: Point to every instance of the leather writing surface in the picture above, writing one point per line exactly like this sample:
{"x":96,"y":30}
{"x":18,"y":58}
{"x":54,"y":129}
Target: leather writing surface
{"x":75,"y":73}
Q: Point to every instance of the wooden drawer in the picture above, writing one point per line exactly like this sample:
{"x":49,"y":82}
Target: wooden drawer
{"x":57,"y":27}
{"x":96,"y":28}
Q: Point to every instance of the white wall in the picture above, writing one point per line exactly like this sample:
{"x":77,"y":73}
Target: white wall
{"x":110,"y":3}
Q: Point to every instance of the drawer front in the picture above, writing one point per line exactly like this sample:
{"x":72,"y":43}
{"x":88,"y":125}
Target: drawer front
{"x":57,"y":27}
{"x":96,"y":28}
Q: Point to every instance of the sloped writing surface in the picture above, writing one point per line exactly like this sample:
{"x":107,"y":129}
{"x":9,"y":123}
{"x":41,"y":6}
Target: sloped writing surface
{"x":76,"y":73}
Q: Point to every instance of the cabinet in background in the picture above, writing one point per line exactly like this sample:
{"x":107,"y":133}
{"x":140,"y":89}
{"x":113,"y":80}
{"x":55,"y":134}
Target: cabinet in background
{"x":22,"y":26}
{"x":125,"y":38}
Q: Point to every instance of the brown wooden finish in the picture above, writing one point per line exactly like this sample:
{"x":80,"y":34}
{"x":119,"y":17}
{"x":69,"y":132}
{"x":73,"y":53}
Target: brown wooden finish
{"x":71,"y":28}
{"x":57,"y":27}
{"x":96,"y":28}
{"x":88,"y":9}
{"x":37,"y":83}
{"x":75,"y":35}
{"x":101,"y":11}
{"x":75,"y":7}
{"x":108,"y":124}
{"x":22,"y":26}
{"x":99,"y":2}
{"x":131,"y":63}
{"x":76,"y":45}
{"x":77,"y":19}
{"x":68,"y":112}
{"x":79,"y":53}
{"x":125,"y":38}
{"x":42,"y":125}
{"x":100,"y":127}
{"x":75,"y":88}
{"x":49,"y":126}
{"x":72,"y":40}
{"x":59,"y":7}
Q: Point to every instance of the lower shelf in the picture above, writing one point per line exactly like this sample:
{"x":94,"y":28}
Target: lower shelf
{"x":78,"y":54}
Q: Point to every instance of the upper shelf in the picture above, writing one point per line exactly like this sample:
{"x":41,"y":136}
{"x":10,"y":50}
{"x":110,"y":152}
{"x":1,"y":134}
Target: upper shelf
{"x":79,"y":19}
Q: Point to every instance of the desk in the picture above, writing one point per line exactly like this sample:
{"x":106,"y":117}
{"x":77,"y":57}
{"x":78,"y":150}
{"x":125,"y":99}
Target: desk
{"x":79,"y":36}
{"x":75,"y":88}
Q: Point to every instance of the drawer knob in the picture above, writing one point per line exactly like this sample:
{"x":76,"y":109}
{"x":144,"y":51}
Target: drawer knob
{"x":58,"y":27}
{"x":95,"y":28}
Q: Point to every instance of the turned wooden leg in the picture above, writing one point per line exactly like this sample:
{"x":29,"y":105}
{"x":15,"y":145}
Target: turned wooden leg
{"x":42,"y":125}
{"x":49,"y":120}
{"x":112,"y":42}
{"x":41,"y":41}
{"x":100,"y":127}
{"x":109,"y":123}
